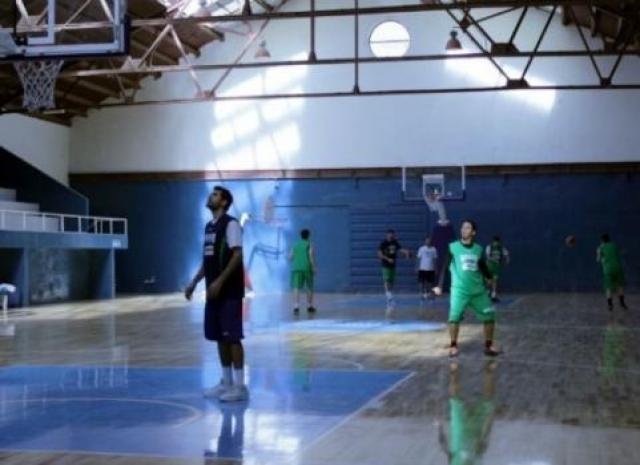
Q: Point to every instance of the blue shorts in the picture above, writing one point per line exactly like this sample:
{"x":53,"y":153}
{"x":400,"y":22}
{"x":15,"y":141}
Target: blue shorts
{"x":223,"y":320}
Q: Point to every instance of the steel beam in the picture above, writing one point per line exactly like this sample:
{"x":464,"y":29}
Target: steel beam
{"x":341,"y":61}
{"x":379,"y":10}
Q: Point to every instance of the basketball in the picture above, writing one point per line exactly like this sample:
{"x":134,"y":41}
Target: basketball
{"x":570,"y":240}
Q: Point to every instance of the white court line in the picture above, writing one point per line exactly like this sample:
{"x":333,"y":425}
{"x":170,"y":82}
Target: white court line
{"x":357,"y":412}
{"x":437,"y":359}
{"x":200,"y":367}
{"x":412,"y":370}
{"x":196,"y":414}
{"x":107,"y":454}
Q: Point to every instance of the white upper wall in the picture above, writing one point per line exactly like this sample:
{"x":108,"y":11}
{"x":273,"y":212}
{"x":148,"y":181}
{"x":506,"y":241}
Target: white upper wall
{"x":437,"y":129}
{"x":41,"y":144}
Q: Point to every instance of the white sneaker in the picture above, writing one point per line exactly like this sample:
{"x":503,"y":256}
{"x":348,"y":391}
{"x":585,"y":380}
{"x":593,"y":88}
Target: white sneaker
{"x":216,"y":391}
{"x":235,"y":394}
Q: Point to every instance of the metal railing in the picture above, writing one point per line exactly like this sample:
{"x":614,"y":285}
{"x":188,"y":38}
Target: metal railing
{"x":22,"y":220}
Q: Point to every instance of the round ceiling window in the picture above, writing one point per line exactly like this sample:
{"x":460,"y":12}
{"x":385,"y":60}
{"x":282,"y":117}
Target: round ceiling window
{"x":389,"y":39}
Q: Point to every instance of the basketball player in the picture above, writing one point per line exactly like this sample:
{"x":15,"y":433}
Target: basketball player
{"x":387,"y":253}
{"x":496,"y":255}
{"x":426,"y":257}
{"x":465,"y":260}
{"x":302,"y":271}
{"x":222,"y":270}
{"x":613,"y":274}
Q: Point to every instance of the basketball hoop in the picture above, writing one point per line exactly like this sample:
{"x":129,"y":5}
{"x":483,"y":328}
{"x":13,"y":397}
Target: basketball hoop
{"x":38,"y":80}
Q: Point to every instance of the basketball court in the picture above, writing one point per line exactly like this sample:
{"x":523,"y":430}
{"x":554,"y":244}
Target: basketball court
{"x":379,"y":128}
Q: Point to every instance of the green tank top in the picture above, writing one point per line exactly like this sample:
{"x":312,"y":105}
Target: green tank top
{"x":466,"y":276}
{"x":301,"y":260}
{"x":609,"y":257}
{"x":495,"y":252}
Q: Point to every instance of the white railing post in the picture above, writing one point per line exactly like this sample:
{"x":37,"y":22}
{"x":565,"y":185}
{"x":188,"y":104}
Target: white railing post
{"x":2,"y":219}
{"x":43,"y":222}
{"x":24,"y":221}
{"x":79,"y":224}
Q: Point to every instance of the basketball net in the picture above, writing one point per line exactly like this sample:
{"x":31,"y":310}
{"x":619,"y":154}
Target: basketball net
{"x":38,"y":80}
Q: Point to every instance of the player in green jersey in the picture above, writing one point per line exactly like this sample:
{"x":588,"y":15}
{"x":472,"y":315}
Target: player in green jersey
{"x":613,"y":274}
{"x":496,"y":255}
{"x":302,"y":270}
{"x":468,"y":267}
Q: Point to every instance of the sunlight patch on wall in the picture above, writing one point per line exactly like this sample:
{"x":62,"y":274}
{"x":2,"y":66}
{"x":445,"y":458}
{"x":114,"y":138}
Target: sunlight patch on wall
{"x":480,"y":72}
{"x":222,"y":136}
{"x":274,"y":110}
{"x":259,"y":134}
{"x":288,"y":140}
{"x":246,"y":123}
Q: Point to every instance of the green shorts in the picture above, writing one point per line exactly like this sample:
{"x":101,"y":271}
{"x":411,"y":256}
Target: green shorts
{"x":613,"y":280}
{"x":302,"y":280}
{"x":480,"y":303}
{"x":389,"y":275}
{"x":494,"y":269}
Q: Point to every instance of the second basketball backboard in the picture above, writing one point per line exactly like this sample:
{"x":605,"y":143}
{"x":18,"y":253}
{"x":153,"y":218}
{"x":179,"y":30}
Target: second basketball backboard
{"x":443,"y":182}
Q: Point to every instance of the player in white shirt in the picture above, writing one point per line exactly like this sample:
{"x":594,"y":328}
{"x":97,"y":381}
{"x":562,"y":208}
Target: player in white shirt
{"x":427,"y":257}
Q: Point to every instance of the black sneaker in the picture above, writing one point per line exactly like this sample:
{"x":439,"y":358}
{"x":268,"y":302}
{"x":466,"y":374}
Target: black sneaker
{"x":296,"y":311}
{"x":311,"y":310}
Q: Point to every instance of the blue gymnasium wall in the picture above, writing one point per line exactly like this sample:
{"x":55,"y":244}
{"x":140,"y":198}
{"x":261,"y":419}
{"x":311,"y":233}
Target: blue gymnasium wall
{"x":532,"y":213}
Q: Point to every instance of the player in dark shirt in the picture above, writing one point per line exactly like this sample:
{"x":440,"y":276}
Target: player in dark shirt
{"x":388,"y":253}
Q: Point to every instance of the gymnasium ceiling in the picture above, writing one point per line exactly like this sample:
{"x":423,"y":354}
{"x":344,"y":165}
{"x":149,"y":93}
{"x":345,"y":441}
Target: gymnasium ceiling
{"x":85,"y":84}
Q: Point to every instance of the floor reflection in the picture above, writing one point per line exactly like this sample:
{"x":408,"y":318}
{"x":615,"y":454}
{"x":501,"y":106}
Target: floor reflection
{"x":230,"y":440}
{"x":470,"y":417}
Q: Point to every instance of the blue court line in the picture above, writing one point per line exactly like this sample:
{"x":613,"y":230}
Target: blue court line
{"x":161,"y":412}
